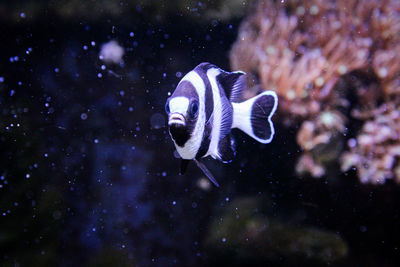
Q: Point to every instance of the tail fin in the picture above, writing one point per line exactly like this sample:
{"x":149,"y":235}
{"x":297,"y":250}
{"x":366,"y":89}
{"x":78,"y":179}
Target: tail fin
{"x":253,"y":116}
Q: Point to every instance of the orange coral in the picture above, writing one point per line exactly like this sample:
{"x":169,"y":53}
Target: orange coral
{"x":305,"y":51}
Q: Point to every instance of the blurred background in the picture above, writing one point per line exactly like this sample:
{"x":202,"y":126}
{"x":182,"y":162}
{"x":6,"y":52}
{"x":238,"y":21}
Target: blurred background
{"x":88,"y":175}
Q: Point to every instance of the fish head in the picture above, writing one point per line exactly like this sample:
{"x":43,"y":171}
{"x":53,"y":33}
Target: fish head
{"x":183,"y":110}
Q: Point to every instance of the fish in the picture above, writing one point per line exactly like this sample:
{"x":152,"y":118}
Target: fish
{"x":206,"y":105}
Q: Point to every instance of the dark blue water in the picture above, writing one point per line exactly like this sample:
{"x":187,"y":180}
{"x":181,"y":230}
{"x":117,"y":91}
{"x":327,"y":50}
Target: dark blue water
{"x":88,"y":175}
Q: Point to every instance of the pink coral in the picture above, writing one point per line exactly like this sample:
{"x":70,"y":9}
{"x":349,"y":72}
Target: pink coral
{"x":376,"y":150}
{"x":306,"y":52}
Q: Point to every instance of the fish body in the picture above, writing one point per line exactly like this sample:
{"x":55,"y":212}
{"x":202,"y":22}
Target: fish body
{"x":204,"y":108}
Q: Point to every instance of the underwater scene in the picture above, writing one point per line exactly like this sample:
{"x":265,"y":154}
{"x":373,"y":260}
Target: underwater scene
{"x":282,"y":150}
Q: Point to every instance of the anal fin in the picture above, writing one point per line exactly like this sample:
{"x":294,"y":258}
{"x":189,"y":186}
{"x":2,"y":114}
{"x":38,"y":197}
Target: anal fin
{"x":225,"y":149}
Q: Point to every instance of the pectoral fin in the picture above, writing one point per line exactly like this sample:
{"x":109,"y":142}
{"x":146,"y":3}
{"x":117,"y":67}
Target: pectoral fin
{"x":184,"y":164}
{"x":206,"y":172}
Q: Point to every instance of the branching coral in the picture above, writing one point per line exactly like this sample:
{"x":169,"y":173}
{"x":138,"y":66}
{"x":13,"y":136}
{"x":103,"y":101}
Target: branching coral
{"x":376,"y":150}
{"x":308,"y":53}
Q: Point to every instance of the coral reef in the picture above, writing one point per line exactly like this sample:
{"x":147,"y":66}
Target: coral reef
{"x":329,"y":62}
{"x":376,"y":150}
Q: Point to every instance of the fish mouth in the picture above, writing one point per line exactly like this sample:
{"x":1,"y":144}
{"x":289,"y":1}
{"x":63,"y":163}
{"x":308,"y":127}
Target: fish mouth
{"x":177,"y":119}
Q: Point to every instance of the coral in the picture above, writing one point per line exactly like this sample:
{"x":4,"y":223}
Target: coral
{"x":376,"y":150}
{"x":314,"y":55}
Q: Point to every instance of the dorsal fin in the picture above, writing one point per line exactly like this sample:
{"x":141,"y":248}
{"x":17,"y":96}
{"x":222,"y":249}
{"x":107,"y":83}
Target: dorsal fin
{"x":233,"y":83}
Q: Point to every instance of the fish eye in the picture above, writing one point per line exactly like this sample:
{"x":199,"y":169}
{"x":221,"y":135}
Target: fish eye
{"x":194,"y":108}
{"x":167,"y":107}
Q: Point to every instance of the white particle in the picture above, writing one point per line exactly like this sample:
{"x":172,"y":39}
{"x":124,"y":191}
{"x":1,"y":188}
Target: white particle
{"x":46,"y":155}
{"x":103,"y":67}
{"x":27,"y":176}
{"x":157,"y":121}
{"x":227,"y":199}
{"x":56,"y":70}
{"x":84,"y":116}
{"x":169,"y":94}
{"x":223,"y":240}
{"x":111,"y":52}
{"x":96,"y":141}
{"x":22,"y":15}
{"x":122,"y":246}
{"x":85,"y":47}
{"x":93,"y":43}
{"x":99,"y":75}
{"x":130,"y":109}
{"x":164,"y":173}
{"x":174,"y":202}
{"x":131,"y":34}
{"x":1,"y":79}
{"x":93,"y":229}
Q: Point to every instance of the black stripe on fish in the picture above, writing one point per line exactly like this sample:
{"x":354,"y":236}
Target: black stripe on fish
{"x":226,"y":112}
{"x":185,"y":88}
{"x":226,"y":149}
{"x":180,"y":134}
{"x":201,"y":70}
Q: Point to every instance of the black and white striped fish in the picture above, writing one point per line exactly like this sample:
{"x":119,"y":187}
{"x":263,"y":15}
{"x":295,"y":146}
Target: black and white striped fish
{"x":206,"y":105}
